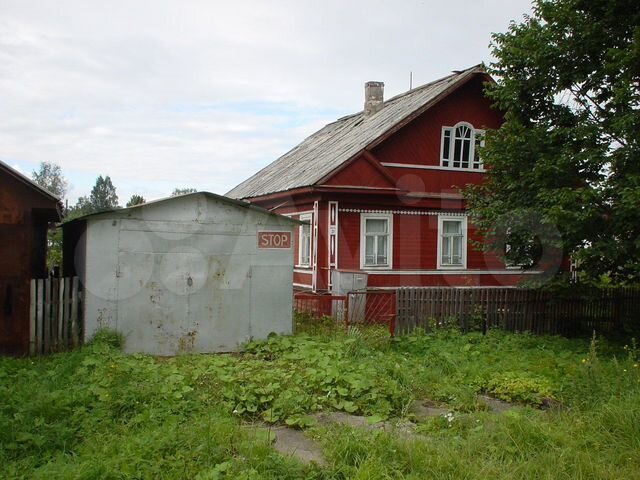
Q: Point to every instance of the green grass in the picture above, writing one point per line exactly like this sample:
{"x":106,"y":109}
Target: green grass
{"x":97,"y":413}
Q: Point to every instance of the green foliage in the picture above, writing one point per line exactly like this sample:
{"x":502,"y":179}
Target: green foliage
{"x":513,"y":387}
{"x":103,"y":195}
{"x":107,"y":337}
{"x":97,"y":413}
{"x":182,"y":191}
{"x":136,"y":200}
{"x":49,"y":176}
{"x":564,"y":167}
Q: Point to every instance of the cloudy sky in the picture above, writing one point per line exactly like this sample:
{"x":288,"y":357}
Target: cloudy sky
{"x":163,"y":94}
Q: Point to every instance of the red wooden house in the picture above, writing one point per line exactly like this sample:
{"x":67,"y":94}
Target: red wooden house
{"x":381,"y":190}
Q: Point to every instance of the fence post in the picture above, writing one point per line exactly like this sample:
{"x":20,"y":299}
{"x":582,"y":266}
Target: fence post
{"x":392,"y":320}
{"x":32,"y":317}
{"x":75,"y":330}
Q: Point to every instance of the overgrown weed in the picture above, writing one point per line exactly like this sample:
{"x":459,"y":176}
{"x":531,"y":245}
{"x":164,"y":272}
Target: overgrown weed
{"x":97,"y":413}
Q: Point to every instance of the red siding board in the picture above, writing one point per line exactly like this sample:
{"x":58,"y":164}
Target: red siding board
{"x":360,"y":173}
{"x":302,"y":278}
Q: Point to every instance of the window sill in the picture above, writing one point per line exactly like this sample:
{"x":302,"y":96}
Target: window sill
{"x":452,"y":267}
{"x":456,"y":169}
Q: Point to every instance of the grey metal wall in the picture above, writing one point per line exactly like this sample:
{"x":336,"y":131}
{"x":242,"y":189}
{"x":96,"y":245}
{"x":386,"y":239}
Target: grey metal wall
{"x":186,"y":275}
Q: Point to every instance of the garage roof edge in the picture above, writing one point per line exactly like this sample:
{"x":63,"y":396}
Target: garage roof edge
{"x":232,"y":201}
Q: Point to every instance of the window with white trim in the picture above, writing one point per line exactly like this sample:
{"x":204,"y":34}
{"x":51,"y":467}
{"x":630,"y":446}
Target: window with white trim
{"x":376,"y":240}
{"x":452,"y":242}
{"x":304,"y":249}
{"x":460,"y":147}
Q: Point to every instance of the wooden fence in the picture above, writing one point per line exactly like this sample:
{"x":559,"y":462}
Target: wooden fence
{"x":514,"y":309}
{"x":54,"y":315}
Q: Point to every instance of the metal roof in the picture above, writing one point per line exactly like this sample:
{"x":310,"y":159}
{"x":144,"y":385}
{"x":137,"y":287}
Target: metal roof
{"x":214,"y":196}
{"x":338,"y":142}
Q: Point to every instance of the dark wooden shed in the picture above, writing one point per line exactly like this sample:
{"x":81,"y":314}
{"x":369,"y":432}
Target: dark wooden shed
{"x":26,"y":211}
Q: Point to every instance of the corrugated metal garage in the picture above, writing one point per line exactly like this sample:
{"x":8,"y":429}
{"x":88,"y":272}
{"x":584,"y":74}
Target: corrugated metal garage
{"x":194,"y":273}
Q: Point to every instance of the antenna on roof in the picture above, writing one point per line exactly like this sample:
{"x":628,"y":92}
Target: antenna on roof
{"x":410,"y":79}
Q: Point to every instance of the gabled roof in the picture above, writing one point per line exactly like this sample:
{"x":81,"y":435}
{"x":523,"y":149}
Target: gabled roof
{"x":28,"y":182}
{"x":55,"y":213}
{"x":338,"y":142}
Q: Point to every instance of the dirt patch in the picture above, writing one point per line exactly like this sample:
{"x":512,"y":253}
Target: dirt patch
{"x":425,"y":409}
{"x":494,"y":404}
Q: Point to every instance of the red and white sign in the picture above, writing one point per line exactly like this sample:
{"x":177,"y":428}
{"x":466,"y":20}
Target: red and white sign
{"x":274,"y":240}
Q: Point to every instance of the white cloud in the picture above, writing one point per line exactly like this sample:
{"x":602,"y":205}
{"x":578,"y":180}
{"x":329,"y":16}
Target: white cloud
{"x":159,"y":94}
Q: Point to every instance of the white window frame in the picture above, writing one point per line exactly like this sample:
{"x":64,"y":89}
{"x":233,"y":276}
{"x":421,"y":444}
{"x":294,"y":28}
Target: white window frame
{"x":376,"y":216}
{"x":476,"y":135}
{"x":465,"y":242}
{"x":307,"y":217}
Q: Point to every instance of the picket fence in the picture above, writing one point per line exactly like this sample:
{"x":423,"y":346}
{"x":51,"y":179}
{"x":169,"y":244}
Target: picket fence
{"x":54,"y":315}
{"x":520,"y":310}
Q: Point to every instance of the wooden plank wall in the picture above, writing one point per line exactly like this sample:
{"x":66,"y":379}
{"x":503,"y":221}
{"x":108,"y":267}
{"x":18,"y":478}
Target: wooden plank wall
{"x":517,"y":310}
{"x":54,"y":315}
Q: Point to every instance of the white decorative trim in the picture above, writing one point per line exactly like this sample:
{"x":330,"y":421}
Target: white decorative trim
{"x":332,"y":243}
{"x":432,"y":167}
{"x":302,"y":285}
{"x":305,"y":217}
{"x":451,"y":272}
{"x":314,"y":247}
{"x":463,"y":266}
{"x":403,"y":212}
{"x":384,"y":216}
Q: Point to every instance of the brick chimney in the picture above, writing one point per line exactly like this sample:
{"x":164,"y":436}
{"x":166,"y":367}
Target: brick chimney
{"x":373,"y":97}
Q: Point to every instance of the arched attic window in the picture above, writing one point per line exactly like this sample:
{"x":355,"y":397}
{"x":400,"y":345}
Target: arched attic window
{"x":460,"y":147}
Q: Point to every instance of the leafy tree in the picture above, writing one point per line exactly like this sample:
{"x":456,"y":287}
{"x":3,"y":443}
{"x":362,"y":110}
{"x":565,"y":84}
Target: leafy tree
{"x":49,"y":176}
{"x":568,"y":81}
{"x":82,"y":207}
{"x":103,"y":195}
{"x":182,"y":191}
{"x":136,"y":200}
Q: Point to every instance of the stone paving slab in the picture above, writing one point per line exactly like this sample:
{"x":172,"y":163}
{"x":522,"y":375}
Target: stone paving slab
{"x":296,"y":444}
{"x":494,"y":404}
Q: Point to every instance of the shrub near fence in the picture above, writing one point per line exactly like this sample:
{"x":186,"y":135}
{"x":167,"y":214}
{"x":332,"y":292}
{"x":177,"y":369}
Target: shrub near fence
{"x":316,"y":313}
{"x":538,"y":311}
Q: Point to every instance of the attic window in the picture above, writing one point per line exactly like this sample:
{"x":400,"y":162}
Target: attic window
{"x":460,"y":147}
